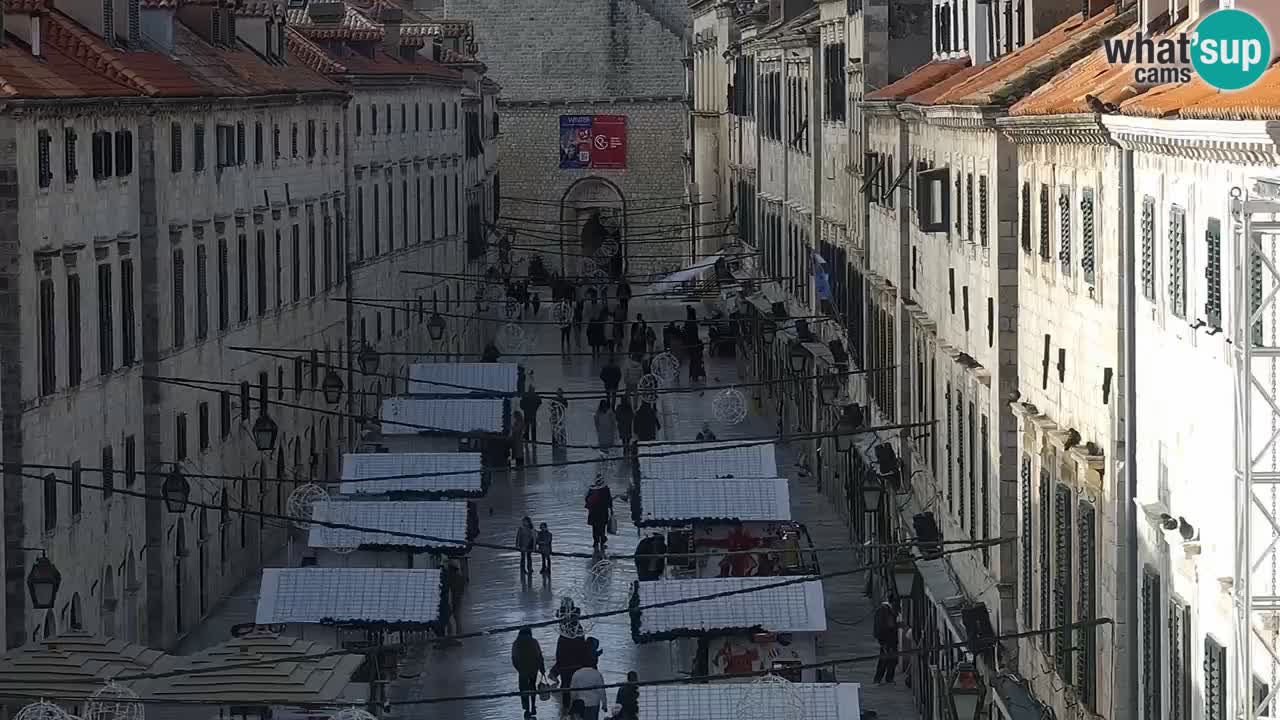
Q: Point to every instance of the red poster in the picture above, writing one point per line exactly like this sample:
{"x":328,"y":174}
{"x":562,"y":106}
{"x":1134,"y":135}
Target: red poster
{"x":609,"y":141}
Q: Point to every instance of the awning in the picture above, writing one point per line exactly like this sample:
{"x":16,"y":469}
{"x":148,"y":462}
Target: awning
{"x":820,"y":352}
{"x":724,"y":700}
{"x":223,"y":680}
{"x":465,"y":478}
{"x":463,"y":378}
{"x":781,"y":608}
{"x":413,"y":416}
{"x":71,"y":666}
{"x":678,"y":502}
{"x":727,"y":459}
{"x":690,"y":272}
{"x":351,"y":596}
{"x":447,"y":520}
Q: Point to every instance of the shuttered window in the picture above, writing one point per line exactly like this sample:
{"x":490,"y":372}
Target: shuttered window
{"x":1149,"y":248}
{"x":106,"y":321}
{"x":1178,"y":262}
{"x":48,"y":339}
{"x":43,"y":158}
{"x":202,"y":292}
{"x":1045,"y":248}
{"x":74,"y":365}
{"x":962,"y":491}
{"x":1026,"y":540}
{"x":969,"y":210}
{"x":1179,"y":661}
{"x":1026,"y":217}
{"x":1215,"y":680}
{"x":951,"y":496}
{"x":1151,"y":633}
{"x":973,"y":469}
{"x":1064,"y":230}
{"x":179,"y":299}
{"x":1086,"y":638}
{"x":1046,"y":558}
{"x":1213,"y":273}
{"x":1088,"y":261}
{"x":1062,"y":581}
{"x":984,"y":526}
{"x":983,"y":217}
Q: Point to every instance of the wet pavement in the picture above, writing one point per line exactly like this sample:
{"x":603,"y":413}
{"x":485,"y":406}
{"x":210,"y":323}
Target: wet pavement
{"x":497,"y":595}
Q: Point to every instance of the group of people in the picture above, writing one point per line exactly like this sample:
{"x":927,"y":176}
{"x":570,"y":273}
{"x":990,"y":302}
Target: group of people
{"x":576,"y":667}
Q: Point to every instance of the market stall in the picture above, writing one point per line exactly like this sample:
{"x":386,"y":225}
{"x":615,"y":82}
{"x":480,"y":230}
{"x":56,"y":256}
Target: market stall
{"x":414,"y":475}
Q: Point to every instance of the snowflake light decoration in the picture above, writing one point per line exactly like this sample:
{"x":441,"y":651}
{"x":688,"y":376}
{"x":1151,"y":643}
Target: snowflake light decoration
{"x":352,"y":713}
{"x":770,"y":697}
{"x":571,"y":623}
{"x":511,"y":339}
{"x":562,"y":313}
{"x":599,"y":581}
{"x":301,"y":503}
{"x":667,"y":367}
{"x":608,"y":249}
{"x":42,"y":711}
{"x":730,"y":406}
{"x":511,"y":309}
{"x":648,"y":388}
{"x":113,"y":702}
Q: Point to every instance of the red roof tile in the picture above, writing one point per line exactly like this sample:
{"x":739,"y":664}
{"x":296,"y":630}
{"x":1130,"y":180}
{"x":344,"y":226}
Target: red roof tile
{"x":1260,"y":101}
{"x":918,"y":80}
{"x":55,"y":75}
{"x":1014,"y":75}
{"x":931,"y":93}
{"x":1093,"y":75}
{"x":312,"y":55}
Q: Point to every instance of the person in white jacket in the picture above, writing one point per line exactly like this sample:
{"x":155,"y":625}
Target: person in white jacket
{"x":593,"y":699}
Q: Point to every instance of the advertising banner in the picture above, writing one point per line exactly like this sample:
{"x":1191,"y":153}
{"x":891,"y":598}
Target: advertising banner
{"x":593,"y":141}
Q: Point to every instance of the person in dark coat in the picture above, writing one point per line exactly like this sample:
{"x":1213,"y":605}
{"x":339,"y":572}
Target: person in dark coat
{"x":490,"y":354}
{"x":599,"y":503}
{"x":536,"y":302}
{"x":646,"y":423}
{"x":650,"y":558}
{"x":577,"y":322}
{"x":572,"y":653}
{"x":639,"y":328}
{"x":628,"y":698}
{"x":595,"y":334}
{"x":619,"y":331}
{"x":529,"y":403}
{"x":697,"y":365}
{"x":611,"y":375}
{"x":526,"y":658}
{"x":885,"y":630}
{"x":625,"y":416}
{"x":624,"y":297}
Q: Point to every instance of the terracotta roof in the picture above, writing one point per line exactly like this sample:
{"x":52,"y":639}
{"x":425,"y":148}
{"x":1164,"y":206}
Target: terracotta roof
{"x":383,"y":64}
{"x":310,"y":54}
{"x":921,"y":78}
{"x":1260,"y":101}
{"x":147,"y":73}
{"x":56,"y":75}
{"x":930,"y":94}
{"x":1015,"y":75}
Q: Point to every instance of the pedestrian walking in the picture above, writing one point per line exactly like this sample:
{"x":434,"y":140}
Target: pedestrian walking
{"x":517,"y":438}
{"x":650,"y":338}
{"x":619,"y":330}
{"x":624,"y":297}
{"x":490,"y":354}
{"x":572,"y":650}
{"x":606,"y":426}
{"x":611,"y":375}
{"x":885,"y":630}
{"x":595,"y":334}
{"x":599,"y":503}
{"x":646,"y":423}
{"x":563,"y":314}
{"x":631,"y":375}
{"x":558,"y":433}
{"x":536,"y":301}
{"x":586,"y":687}
{"x":625,"y":417}
{"x":526,"y":658}
{"x":456,"y":581}
{"x":526,"y":538}
{"x":529,"y":405}
{"x":543,"y":545}
{"x":628,"y":698}
{"x":705,"y":434}
{"x":577,"y":322}
{"x":697,"y":366}
{"x":525,"y":299}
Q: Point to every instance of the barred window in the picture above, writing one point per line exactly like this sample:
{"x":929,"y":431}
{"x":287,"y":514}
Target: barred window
{"x":1045,"y":251}
{"x":1150,"y":671}
{"x":1149,"y":248}
{"x":1215,"y":680}
{"x":1026,"y":217}
{"x":1086,"y":638}
{"x":1178,"y":261}
{"x":1025,"y":531}
{"x":1213,"y":273}
{"x":1088,"y":260}
{"x":1062,"y":581}
{"x":1064,"y":230}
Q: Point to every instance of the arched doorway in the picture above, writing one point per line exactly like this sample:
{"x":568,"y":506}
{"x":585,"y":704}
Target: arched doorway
{"x":132,"y":608}
{"x":585,"y":199}
{"x":77,"y":612}
{"x":107,"y":613}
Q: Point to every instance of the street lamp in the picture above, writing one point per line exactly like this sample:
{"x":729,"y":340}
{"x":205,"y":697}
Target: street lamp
{"x":265,"y":431}
{"x":904,"y":572}
{"x":368,"y":359}
{"x":175,"y":489}
{"x":850,"y":422}
{"x":829,"y":387}
{"x":967,"y":692}
{"x":435,"y":327}
{"x":331,"y":386}
{"x":798,"y":359}
{"x":872,"y":494}
{"x":43,"y":582}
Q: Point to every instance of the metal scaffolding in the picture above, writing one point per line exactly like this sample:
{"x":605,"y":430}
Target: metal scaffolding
{"x":1255,"y":349}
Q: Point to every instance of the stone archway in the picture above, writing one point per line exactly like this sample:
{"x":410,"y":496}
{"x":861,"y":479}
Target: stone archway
{"x":588,"y":197}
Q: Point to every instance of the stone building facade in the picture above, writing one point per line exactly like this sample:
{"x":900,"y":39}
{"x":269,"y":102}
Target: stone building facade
{"x":152,"y":232}
{"x":567,"y":58}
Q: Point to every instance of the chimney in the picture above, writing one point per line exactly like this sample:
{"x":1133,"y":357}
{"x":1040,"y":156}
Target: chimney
{"x":391,"y":17}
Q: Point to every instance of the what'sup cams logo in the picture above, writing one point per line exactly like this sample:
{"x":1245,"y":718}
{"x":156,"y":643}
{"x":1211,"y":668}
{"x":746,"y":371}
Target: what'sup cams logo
{"x":1229,"y":50}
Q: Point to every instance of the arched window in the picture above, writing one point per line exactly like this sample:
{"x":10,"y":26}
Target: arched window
{"x":77,"y":613}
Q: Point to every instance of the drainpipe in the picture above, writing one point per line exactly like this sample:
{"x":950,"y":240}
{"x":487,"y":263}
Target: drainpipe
{"x":1126,"y":632}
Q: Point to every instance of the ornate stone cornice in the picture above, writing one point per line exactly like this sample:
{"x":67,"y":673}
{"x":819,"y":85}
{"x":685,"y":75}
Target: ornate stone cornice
{"x":886,"y":108}
{"x":1249,"y":142}
{"x":962,"y":116}
{"x":1072,"y":129}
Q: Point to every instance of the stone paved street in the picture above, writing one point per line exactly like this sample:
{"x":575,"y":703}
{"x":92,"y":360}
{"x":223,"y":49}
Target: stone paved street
{"x":498,"y":596}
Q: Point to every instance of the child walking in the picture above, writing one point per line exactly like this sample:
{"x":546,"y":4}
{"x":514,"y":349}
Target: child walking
{"x":543,"y":544}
